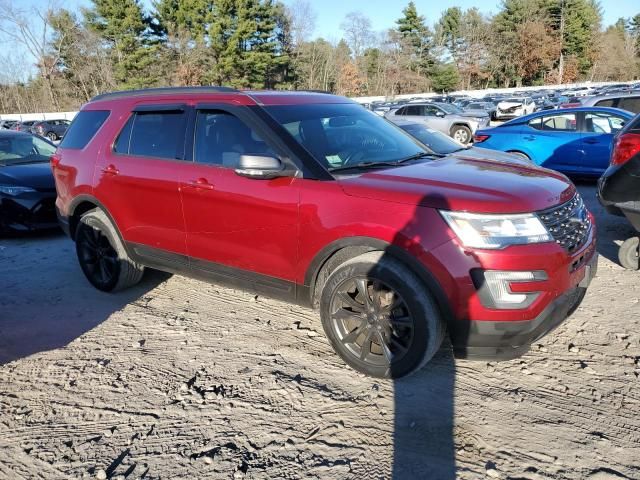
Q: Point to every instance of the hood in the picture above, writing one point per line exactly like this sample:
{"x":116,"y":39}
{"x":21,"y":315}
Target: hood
{"x":465,"y":182}
{"x":34,"y":175}
{"x":478,"y":153}
{"x":503,"y":105}
{"x":471,"y":113}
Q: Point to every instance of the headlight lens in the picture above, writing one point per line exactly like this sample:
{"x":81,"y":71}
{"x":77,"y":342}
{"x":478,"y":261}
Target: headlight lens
{"x":496,"y":231}
{"x":13,"y":190}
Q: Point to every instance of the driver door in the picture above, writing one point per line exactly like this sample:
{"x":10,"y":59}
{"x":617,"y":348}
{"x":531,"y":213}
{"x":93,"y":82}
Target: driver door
{"x":435,"y":118}
{"x":237,"y":228}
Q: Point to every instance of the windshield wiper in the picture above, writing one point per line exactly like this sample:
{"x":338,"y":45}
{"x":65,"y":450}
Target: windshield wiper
{"x":363,"y":165}
{"x":394,"y":163}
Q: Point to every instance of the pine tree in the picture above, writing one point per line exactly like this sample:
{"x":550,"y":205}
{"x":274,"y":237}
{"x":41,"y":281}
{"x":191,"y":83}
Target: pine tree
{"x":123,"y":26}
{"x":418,"y":37}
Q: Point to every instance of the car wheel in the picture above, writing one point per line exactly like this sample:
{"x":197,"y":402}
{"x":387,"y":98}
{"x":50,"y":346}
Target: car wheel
{"x":629,"y":254}
{"x":102,"y":256}
{"x":52,"y":136}
{"x":379,"y":317}
{"x":461,"y":133}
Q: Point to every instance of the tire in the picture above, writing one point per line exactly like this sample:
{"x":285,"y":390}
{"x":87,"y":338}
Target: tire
{"x":409,"y":324}
{"x":52,"y":136}
{"x":461,"y":133}
{"x":102,"y":255}
{"x":629,"y":254}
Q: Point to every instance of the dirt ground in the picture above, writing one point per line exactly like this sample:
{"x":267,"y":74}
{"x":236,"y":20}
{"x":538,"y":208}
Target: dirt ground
{"x":182,"y":379}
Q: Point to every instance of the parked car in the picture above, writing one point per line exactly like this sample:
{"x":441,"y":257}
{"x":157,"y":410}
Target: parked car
{"x":629,"y":102}
{"x":52,"y":129}
{"x":574,"y":141}
{"x":24,"y":126}
{"x":7,"y":124}
{"x":445,"y":145}
{"x":578,"y":91}
{"x":475,"y":106}
{"x":311,"y":198}
{"x":619,"y":188}
{"x":446,"y":118}
{"x":514,"y":107}
{"x":27,"y":189}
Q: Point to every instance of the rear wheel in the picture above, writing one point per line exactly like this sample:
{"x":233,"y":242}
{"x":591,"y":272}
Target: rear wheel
{"x":461,"y":133}
{"x":102,"y":256}
{"x":629,"y":254}
{"x":379,"y":317}
{"x":52,"y":136}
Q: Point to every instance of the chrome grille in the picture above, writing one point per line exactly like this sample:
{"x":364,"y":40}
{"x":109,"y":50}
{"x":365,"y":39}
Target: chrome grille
{"x":569,"y":223}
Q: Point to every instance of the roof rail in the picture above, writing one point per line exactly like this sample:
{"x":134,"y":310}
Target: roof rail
{"x":162,"y":91}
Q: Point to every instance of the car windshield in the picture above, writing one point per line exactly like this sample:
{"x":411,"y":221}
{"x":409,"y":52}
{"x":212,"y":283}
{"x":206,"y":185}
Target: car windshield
{"x":449,"y":109}
{"x":345,"y":134}
{"x":15,"y":149}
{"x":436,"y":141}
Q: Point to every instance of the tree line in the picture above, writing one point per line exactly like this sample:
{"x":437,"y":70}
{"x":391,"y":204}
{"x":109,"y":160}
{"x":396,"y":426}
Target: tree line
{"x":116,"y":44}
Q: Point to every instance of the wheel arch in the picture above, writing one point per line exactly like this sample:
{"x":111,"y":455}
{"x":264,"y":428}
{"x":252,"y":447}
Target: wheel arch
{"x":81,"y":205}
{"x":459,"y":123}
{"x":339,"y":251}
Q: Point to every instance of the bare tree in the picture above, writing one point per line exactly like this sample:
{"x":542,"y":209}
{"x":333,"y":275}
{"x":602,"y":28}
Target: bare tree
{"x":358,"y":33}
{"x":30,"y":28}
{"x":302,"y":18}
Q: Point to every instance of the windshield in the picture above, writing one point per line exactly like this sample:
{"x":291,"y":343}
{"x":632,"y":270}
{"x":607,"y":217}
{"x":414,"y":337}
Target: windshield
{"x":448,"y":108}
{"x":15,"y":149}
{"x":436,"y":141}
{"x":340,"y":135}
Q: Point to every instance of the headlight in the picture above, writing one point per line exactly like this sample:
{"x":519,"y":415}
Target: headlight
{"x":13,"y":190}
{"x":496,"y":231}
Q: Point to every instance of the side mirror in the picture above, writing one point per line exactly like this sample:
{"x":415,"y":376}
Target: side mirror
{"x":439,"y":114}
{"x":260,"y":167}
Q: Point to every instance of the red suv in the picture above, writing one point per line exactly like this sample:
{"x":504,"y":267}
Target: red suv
{"x":311,"y":198}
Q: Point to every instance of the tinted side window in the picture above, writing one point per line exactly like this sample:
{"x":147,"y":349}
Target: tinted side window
{"x":631,"y":104}
{"x":402,"y":111}
{"x":414,"y":110}
{"x":158,"y":134}
{"x":605,"y":103}
{"x":83,"y":128}
{"x":124,"y":138}
{"x":565,"y":123}
{"x":221,"y":138}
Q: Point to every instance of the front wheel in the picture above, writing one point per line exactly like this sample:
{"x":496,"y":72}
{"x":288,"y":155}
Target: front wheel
{"x":379,"y":317}
{"x":461,"y":134}
{"x":102,"y":256}
{"x":629,"y":254}
{"x":52,"y":136}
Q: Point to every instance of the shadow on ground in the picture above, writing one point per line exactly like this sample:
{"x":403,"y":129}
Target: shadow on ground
{"x":39,"y":315}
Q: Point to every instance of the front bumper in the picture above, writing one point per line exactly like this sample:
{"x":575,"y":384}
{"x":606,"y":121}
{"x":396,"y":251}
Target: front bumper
{"x":27,"y":212}
{"x":491,"y":340}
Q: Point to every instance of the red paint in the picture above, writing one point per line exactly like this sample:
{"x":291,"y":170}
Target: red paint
{"x":277,"y":227}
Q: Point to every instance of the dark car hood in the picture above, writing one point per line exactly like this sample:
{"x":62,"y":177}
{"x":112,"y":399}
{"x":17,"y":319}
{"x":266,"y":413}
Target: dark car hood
{"x":462,"y":182}
{"x":34,"y":175}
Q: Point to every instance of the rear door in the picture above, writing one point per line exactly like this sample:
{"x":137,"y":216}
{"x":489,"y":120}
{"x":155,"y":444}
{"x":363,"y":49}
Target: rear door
{"x":553,"y":141}
{"x":597,"y":132}
{"x":137,"y":180}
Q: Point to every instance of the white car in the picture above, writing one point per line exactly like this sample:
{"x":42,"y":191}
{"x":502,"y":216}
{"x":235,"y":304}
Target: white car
{"x":514,"y":107}
{"x":578,"y":92}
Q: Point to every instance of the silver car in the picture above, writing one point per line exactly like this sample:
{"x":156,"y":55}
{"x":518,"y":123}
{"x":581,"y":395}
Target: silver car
{"x":444,"y":117}
{"x":629,"y":102}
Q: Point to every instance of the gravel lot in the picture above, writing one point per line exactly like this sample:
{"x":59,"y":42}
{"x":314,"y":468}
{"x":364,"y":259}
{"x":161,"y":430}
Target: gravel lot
{"x":179,"y":378}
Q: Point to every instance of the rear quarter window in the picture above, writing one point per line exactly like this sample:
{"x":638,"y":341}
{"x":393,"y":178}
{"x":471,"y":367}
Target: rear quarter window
{"x":83,"y":128}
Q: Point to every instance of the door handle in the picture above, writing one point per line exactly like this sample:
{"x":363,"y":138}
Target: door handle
{"x":591,"y":141}
{"x":201,"y":183}
{"x":530,"y":138}
{"x":110,"y":170}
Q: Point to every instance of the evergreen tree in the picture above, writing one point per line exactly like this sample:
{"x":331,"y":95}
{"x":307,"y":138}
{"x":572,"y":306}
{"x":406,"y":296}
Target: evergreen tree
{"x":123,"y":26}
{"x":417,"y":36}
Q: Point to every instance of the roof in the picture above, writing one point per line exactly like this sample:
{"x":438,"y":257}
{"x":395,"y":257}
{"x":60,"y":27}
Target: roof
{"x":267,"y":97}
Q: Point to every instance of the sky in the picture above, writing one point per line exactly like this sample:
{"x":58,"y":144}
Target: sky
{"x":330,"y":14}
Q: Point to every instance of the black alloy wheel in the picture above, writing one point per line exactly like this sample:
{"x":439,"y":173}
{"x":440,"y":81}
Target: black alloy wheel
{"x":98,"y":258}
{"x":372,"y":321}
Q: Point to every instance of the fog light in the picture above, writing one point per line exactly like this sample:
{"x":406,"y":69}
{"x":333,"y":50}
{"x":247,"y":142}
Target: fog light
{"x":495,"y":288}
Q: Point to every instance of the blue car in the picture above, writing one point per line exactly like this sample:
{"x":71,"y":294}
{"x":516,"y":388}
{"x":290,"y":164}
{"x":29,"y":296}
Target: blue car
{"x":574,"y":141}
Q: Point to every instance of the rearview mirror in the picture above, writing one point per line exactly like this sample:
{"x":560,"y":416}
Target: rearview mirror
{"x":259,"y":167}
